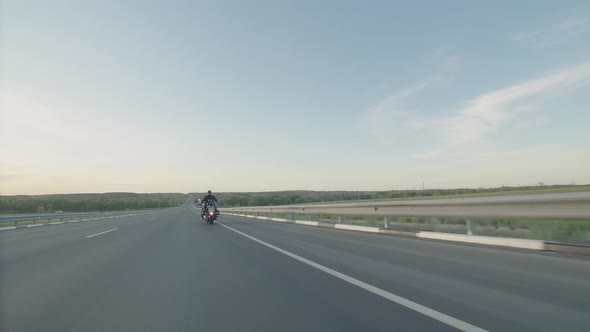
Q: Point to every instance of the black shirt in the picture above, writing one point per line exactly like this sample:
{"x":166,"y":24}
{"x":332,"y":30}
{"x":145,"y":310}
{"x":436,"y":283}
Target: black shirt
{"x":208,"y":198}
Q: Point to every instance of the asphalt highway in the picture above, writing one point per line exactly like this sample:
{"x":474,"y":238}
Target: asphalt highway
{"x":169,"y":271}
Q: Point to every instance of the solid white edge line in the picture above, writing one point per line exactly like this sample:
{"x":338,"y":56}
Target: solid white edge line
{"x":439,"y":316}
{"x":97,"y":234}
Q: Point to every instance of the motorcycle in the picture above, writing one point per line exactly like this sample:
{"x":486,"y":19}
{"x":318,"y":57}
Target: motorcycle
{"x":210,"y":213}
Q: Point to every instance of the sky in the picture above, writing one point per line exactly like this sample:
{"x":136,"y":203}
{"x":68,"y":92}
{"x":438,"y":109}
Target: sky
{"x":185,"y":96}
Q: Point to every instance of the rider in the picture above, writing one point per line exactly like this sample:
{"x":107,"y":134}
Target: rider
{"x":206,"y":201}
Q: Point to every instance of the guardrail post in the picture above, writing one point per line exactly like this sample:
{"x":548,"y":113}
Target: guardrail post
{"x":340,"y":219}
{"x":469,"y":227}
{"x":386,"y":222}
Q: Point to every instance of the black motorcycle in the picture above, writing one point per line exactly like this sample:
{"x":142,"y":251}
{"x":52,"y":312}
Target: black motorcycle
{"x":210,"y":213}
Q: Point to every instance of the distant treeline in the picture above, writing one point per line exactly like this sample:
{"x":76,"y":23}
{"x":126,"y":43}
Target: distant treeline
{"x":87,"y":202}
{"x":299,"y":197}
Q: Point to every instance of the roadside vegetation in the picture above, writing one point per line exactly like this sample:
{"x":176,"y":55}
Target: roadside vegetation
{"x":87,"y":202}
{"x":549,"y":230}
{"x":302,"y":197}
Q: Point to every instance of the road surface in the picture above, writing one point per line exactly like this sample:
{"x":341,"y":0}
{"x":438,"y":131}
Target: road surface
{"x":168,"y":271}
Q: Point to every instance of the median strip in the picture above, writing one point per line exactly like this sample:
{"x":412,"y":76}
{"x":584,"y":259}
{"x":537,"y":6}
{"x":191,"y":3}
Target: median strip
{"x":101,"y":233}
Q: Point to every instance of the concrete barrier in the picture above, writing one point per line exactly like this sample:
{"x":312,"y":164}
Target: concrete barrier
{"x":489,"y":240}
{"x":357,"y":228}
{"x":308,"y":223}
{"x":279,"y":219}
{"x":404,"y":233}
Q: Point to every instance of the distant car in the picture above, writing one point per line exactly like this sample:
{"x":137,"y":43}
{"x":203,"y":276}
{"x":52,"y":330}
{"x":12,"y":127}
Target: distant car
{"x":60,"y":211}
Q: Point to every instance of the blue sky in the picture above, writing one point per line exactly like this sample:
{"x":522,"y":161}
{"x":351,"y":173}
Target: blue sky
{"x":270,"y":95}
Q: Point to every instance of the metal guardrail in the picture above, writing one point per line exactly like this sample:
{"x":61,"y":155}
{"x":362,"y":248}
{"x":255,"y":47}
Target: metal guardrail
{"x":4,"y":219}
{"x":564,"y":206}
{"x":12,"y":218}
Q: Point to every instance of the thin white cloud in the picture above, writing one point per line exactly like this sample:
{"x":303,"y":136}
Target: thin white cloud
{"x":489,"y":111}
{"x":448,"y":63}
{"x":527,"y":108}
{"x":429,"y":154}
{"x":554,"y":34}
{"x":533,"y":122}
{"x":442,"y":66}
{"x":480,"y":117}
{"x":393,"y":98}
{"x":390,"y":108}
{"x":574,"y":24}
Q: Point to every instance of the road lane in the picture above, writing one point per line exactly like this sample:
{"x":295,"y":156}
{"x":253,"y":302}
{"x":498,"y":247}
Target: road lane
{"x":181,"y":274}
{"x":47,"y":238}
{"x":448,"y":320}
{"x":494,"y":288}
{"x":177,"y":273}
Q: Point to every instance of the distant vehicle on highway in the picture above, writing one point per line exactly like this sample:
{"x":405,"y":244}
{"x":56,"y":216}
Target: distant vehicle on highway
{"x":59,"y":211}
